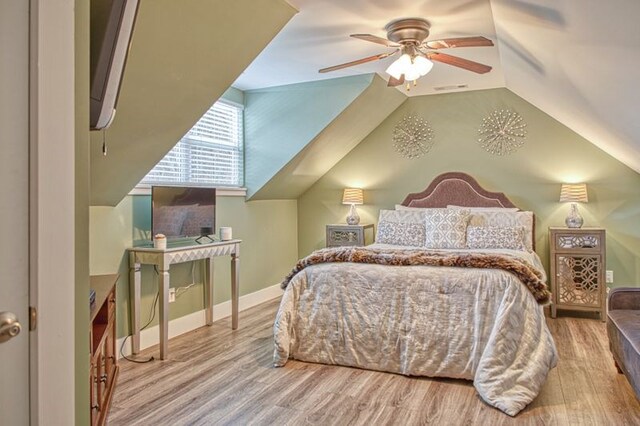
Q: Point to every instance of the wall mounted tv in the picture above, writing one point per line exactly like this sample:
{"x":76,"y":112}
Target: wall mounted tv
{"x":112,"y":23}
{"x":180,"y":212}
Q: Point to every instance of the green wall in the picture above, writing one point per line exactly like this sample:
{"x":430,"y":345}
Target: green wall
{"x":281,"y":121}
{"x":531,"y":177}
{"x":183,"y":56}
{"x":269,"y":250}
{"x":81,"y":211}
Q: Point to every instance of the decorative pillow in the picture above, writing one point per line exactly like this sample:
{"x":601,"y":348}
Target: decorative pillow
{"x":446,"y":228}
{"x":168,"y":220}
{"x":402,"y":216}
{"x":506,"y":219}
{"x":196,"y":218}
{"x":401,"y":234}
{"x":492,"y":237}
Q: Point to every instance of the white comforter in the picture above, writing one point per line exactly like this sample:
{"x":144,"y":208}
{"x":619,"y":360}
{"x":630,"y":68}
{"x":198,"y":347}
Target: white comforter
{"x":476,"y":324}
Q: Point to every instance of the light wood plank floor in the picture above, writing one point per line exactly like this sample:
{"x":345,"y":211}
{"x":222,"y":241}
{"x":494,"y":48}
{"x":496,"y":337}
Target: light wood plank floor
{"x":218,"y":376}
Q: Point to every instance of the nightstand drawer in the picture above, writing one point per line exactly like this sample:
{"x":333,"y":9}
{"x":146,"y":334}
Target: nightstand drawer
{"x":579,"y":242}
{"x":347,"y":235}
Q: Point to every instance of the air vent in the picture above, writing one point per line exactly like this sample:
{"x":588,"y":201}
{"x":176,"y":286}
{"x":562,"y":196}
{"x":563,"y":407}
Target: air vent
{"x":451,"y":87}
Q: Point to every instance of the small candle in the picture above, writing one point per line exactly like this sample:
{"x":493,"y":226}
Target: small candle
{"x":225,"y":233}
{"x":160,"y":242}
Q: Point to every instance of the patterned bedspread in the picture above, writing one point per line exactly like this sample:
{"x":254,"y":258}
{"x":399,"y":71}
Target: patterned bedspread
{"x":477,"y":324}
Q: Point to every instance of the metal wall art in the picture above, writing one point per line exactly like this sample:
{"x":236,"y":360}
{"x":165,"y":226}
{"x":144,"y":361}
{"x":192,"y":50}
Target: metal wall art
{"x":412,"y":136}
{"x":502,"y":132}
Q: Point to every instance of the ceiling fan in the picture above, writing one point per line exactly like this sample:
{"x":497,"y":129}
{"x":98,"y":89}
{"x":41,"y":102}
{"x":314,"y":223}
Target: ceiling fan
{"x":408,"y":36}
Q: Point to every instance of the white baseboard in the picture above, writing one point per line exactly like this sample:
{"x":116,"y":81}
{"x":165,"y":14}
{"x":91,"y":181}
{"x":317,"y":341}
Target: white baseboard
{"x":178,"y":326}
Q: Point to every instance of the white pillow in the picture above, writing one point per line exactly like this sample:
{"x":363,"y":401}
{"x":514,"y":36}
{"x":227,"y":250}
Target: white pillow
{"x":446,"y":228}
{"x":493,"y":237}
{"x":401,"y":233}
{"x":405,"y":216}
{"x":490,"y":209}
{"x":504,"y":219}
{"x":401,"y":207}
{"x":403,"y":228}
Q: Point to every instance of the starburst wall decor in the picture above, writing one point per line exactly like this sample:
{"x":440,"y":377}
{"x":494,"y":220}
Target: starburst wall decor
{"x":502,"y":132}
{"x":412,"y":136}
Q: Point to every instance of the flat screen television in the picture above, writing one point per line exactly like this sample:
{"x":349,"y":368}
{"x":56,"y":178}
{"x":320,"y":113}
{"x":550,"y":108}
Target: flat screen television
{"x":112,"y":23}
{"x":182,"y":212}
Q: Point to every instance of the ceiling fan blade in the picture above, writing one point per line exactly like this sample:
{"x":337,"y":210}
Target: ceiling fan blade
{"x":459,"y":42}
{"x":459,"y":62}
{"x":375,"y":39}
{"x":358,"y":62}
{"x":393,"y":82}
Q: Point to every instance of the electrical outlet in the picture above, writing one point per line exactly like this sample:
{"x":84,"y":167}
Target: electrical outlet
{"x":609,"y":278}
{"x":172,"y":295}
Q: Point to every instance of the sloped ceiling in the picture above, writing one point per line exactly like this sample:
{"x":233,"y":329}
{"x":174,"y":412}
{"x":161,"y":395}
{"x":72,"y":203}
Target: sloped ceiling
{"x":341,"y":135}
{"x":281,"y":121}
{"x":184,"y":55}
{"x":575,"y":60}
{"x":579,"y":62}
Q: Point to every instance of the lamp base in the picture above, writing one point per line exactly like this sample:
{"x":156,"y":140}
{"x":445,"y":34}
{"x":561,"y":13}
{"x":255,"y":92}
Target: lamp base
{"x":353,"y":218}
{"x":574,"y":220}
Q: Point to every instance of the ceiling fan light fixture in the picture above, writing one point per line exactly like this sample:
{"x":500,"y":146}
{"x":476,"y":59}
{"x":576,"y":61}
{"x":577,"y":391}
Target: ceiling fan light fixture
{"x":412,"y":68}
{"x":399,"y":66}
{"x":422,"y":64}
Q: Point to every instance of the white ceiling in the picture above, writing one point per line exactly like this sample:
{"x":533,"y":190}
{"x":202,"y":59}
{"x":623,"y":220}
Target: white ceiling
{"x":318,"y":37}
{"x":577,"y":60}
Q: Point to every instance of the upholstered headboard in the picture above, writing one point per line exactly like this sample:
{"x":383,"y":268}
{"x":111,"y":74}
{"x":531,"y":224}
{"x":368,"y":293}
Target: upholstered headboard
{"x":458,"y":189}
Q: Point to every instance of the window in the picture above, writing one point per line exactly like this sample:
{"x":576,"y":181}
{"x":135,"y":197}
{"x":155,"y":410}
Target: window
{"x":210,"y":154}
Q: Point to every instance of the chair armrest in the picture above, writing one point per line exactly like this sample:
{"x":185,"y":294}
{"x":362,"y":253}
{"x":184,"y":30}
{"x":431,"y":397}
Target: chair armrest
{"x":624,"y":298}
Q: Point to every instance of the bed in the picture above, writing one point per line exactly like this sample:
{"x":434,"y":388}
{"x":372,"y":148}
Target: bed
{"x":449,"y":289}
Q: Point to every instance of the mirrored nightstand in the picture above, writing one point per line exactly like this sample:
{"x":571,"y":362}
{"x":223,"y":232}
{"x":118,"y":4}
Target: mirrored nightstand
{"x":577,"y":258}
{"x":350,"y":235}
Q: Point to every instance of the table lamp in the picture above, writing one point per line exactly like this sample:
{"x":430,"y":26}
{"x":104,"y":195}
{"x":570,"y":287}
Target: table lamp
{"x":574,"y":193}
{"x":353,"y":196}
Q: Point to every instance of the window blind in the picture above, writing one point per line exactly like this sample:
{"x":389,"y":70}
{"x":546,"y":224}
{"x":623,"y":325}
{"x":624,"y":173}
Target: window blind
{"x":210,"y":154}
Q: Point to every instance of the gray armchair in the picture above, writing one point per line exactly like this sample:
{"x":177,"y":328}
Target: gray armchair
{"x":623,"y":328}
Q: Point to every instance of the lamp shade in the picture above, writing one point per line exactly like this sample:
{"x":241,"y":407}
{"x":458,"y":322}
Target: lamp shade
{"x":574,"y":193}
{"x":352,"y":196}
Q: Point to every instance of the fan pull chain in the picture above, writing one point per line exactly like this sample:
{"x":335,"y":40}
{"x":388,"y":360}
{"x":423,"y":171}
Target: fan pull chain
{"x":104,"y":143}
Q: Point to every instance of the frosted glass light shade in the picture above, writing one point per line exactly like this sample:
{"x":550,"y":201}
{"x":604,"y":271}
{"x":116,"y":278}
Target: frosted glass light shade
{"x":573,"y":193}
{"x":399,"y":66}
{"x":422,"y":65}
{"x":352,"y":196}
{"x":412,"y":69}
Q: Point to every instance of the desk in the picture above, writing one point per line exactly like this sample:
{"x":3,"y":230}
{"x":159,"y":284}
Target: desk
{"x":163,"y":259}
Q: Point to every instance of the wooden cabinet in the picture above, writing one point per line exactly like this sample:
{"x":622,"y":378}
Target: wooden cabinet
{"x":577,"y":258}
{"x":349,"y":235}
{"x":104,"y":360}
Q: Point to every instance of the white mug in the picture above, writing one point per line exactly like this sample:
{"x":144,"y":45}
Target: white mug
{"x":225,"y":233}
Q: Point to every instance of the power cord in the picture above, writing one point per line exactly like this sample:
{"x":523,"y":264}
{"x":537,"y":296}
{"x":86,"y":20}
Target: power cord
{"x":152,"y":315}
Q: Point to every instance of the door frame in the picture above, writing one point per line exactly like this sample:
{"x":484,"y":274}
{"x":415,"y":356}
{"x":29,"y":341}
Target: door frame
{"x":51,"y":217}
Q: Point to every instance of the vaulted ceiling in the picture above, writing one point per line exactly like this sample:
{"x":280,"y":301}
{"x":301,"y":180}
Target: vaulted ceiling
{"x":577,"y":60}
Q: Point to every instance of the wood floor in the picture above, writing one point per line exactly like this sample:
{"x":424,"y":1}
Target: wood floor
{"x":218,"y":376}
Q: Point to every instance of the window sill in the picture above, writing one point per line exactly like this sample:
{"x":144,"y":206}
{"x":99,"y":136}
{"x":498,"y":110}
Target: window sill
{"x":220,"y":191}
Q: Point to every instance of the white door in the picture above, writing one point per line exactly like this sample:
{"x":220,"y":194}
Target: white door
{"x":14,"y":207}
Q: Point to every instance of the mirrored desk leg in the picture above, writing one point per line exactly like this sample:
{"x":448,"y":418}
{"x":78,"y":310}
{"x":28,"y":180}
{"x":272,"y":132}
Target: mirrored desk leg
{"x":163,"y":288}
{"x":208,"y":291}
{"x":235,"y":284}
{"x":134,"y":289}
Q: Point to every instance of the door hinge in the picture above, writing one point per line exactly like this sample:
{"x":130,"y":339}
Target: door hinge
{"x":33,"y":318}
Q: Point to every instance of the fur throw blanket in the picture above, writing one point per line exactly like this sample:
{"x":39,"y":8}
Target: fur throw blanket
{"x":526,"y":273}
